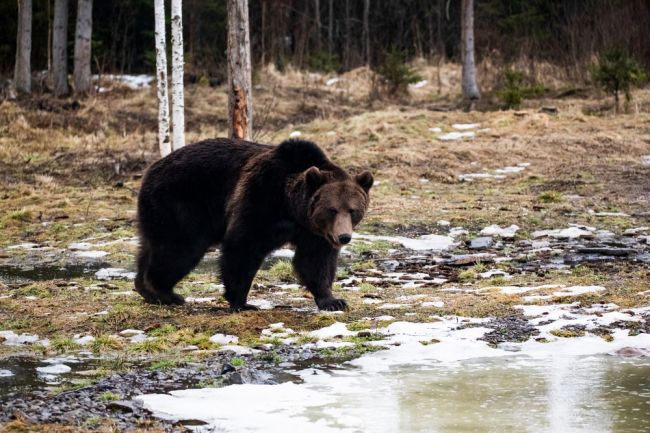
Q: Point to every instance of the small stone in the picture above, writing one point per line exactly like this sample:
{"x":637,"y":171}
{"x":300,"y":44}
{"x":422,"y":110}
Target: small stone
{"x":190,"y":348}
{"x":127,"y":333}
{"x":481,"y":243}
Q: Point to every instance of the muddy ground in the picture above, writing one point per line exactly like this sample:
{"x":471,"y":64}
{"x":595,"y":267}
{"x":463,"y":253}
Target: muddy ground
{"x":438,"y":242}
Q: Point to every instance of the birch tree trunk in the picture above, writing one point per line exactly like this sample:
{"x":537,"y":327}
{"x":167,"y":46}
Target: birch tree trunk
{"x":82,"y":47}
{"x":161,"y":79}
{"x":471,"y":92}
{"x":23,"y":69}
{"x":178,"y":101}
{"x":60,"y":49}
{"x":240,"y":99}
{"x":366,"y":30}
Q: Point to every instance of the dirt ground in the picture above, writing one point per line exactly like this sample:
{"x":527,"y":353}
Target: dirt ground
{"x":70,"y":172}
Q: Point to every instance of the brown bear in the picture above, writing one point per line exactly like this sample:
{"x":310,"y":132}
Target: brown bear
{"x":251,"y":199}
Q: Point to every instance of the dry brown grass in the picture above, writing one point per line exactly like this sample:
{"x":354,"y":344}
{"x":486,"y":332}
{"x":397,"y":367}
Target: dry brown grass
{"x":69,"y":172}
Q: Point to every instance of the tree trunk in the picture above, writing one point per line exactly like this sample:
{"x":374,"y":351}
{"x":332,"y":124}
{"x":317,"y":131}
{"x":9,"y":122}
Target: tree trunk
{"x":60,"y":49}
{"x":471,"y":92}
{"x":164,"y":143}
{"x":178,"y":102}
{"x":240,"y":100}
{"x":366,"y":30}
{"x":330,"y":28}
{"x":317,"y":24}
{"x":82,"y":47}
{"x":23,"y":69}
{"x":263,"y":35}
{"x":346,"y":45}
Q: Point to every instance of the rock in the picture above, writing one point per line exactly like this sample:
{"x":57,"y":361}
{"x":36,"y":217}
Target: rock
{"x":630,"y":352}
{"x":469,"y":259}
{"x":606,"y":251}
{"x":128,"y":333}
{"x":548,"y":110}
{"x":239,"y":350}
{"x":122,"y":405}
{"x":389,"y":265}
{"x":85,"y":340}
{"x":481,"y":243}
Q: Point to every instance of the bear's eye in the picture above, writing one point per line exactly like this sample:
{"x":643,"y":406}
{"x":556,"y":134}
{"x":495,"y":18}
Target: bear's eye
{"x":332,"y":211}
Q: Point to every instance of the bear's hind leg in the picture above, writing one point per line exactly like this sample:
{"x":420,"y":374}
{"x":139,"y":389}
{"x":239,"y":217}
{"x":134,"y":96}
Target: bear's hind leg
{"x":166,"y":266}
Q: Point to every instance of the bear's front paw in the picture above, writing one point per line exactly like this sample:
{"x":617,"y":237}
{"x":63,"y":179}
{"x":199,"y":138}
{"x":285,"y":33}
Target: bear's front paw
{"x":332,"y":304}
{"x":243,"y":307}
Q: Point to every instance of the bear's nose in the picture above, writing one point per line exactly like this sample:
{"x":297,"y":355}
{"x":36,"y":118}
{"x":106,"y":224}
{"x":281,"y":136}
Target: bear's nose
{"x":345,"y":238}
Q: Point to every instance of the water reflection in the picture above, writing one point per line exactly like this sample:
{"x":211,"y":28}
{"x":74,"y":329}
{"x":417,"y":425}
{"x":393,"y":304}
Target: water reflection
{"x":556,"y":395}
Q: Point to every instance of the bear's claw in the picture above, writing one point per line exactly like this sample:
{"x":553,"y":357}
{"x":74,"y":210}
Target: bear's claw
{"x":332,"y":304}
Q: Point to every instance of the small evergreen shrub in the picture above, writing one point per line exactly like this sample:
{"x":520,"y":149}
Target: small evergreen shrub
{"x":396,"y":72}
{"x":616,"y":72}
{"x":515,"y":90}
{"x":322,"y":61}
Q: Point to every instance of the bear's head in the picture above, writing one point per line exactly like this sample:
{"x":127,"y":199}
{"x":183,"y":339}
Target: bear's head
{"x":337,"y":204}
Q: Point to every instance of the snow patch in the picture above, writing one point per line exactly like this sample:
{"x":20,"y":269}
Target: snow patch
{"x":505,"y":232}
{"x":114,"y":273}
{"x":223,"y":339}
{"x":426,"y":242}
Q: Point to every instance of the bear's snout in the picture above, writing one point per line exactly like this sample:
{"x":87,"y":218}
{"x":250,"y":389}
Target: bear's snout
{"x":345,"y":238}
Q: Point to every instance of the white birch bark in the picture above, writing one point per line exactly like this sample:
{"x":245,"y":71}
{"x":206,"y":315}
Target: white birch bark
{"x":240,"y":98}
{"x":23,"y":69}
{"x":164,"y":142}
{"x":471,"y":92}
{"x":60,"y":49}
{"x":82,"y":47}
{"x":178,"y":102}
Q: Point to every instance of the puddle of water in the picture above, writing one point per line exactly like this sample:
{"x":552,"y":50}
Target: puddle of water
{"x":508,"y":394}
{"x":25,"y":376}
{"x":18,"y":275}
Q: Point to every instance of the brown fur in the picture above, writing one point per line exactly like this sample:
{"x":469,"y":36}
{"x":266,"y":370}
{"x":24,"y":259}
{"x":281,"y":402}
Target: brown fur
{"x":250,"y":199}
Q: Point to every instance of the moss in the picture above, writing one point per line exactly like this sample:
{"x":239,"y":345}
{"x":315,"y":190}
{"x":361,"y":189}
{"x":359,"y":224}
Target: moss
{"x":109,"y":396}
{"x":237,"y":362}
{"x":550,"y":197}
{"x":163,"y":364}
{"x":568,"y":332}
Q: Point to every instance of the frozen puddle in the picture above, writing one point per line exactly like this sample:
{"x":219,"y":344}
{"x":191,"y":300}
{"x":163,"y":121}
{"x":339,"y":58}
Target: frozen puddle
{"x":440,"y":379}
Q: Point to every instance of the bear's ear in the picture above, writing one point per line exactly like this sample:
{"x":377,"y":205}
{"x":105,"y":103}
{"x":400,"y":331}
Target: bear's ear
{"x":314,"y":178}
{"x":365,"y":180}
